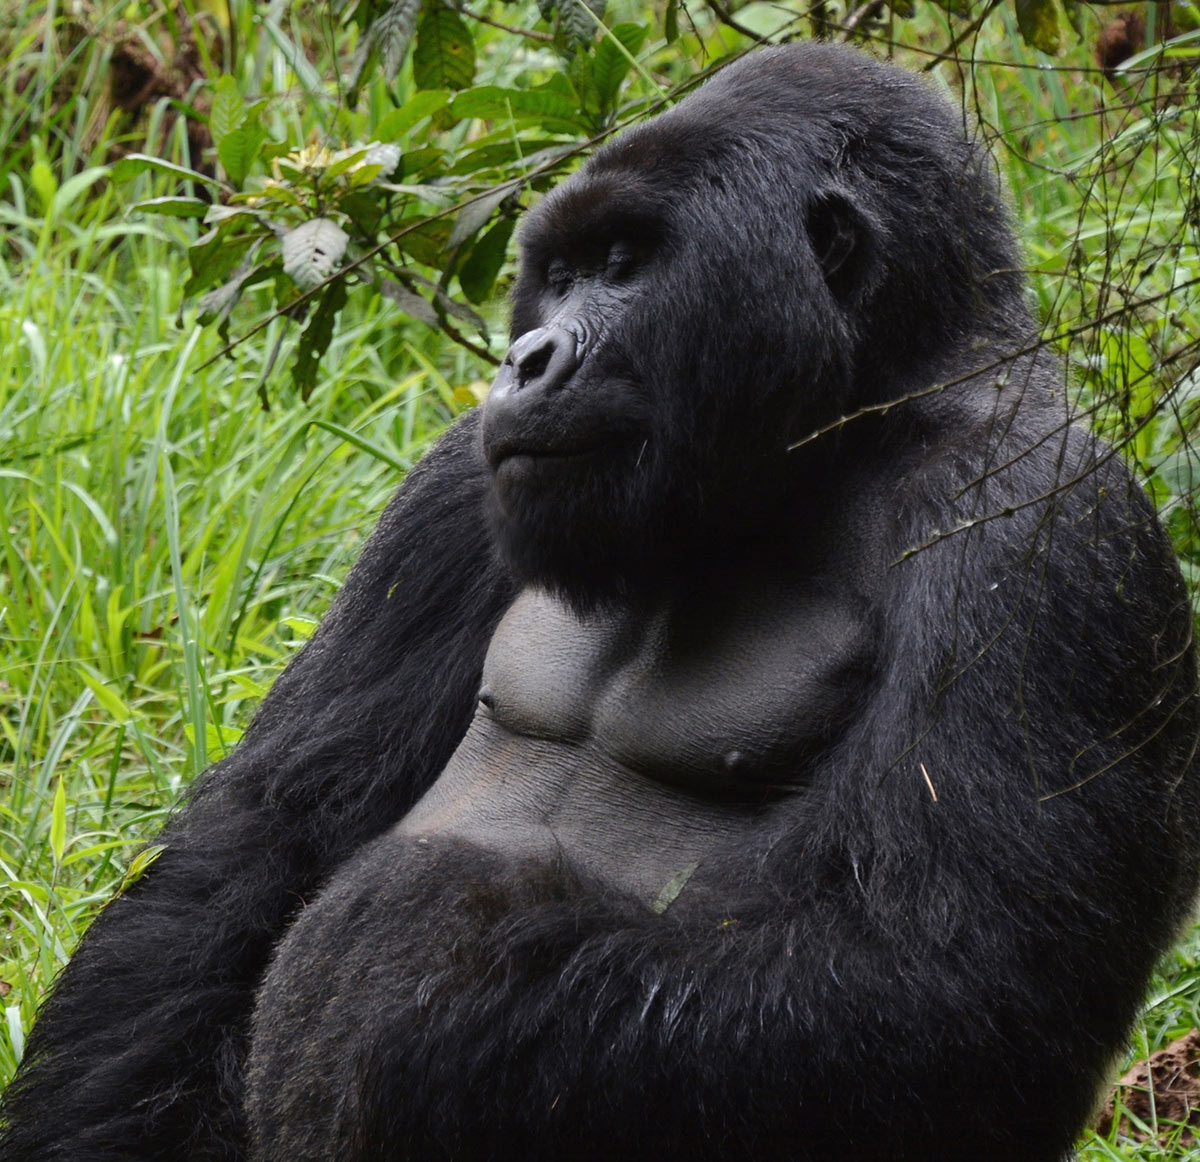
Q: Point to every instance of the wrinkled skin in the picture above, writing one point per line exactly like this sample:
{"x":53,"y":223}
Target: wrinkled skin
{"x":682,"y":773}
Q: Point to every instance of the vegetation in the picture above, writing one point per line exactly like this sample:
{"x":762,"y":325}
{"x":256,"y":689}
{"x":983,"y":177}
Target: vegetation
{"x":253,"y":258}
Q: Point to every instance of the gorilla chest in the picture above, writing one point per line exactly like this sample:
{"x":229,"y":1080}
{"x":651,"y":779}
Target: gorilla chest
{"x":634,"y":745}
{"x":729,"y":693}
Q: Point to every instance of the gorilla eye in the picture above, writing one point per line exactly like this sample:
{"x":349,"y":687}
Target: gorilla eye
{"x":621,"y":261}
{"x":558,"y":276}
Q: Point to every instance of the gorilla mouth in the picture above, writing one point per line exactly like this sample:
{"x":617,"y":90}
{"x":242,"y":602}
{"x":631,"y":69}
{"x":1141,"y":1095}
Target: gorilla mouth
{"x":522,"y":451}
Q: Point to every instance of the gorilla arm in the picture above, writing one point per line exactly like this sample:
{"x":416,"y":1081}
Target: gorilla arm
{"x":147,"y":1025}
{"x":936,"y":908}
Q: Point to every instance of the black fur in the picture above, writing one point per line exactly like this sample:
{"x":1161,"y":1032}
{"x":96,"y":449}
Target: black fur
{"x":937,"y":936}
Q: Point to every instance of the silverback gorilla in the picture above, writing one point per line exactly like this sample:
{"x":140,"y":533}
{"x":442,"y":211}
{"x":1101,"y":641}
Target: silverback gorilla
{"x":682,"y":773}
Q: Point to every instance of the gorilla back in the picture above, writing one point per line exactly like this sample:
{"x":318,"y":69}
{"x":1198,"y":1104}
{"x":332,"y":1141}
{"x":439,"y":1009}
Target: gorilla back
{"x":685,"y":772}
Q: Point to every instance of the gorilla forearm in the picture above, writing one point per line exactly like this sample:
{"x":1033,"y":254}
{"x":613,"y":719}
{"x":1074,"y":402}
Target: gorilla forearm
{"x":624,"y":1035}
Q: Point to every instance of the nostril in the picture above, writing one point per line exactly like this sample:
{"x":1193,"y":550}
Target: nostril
{"x":547,"y":357}
{"x":531,"y":364}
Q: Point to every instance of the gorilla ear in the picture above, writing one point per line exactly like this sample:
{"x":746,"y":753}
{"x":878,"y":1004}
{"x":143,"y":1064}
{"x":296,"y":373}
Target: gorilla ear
{"x":840,"y":242}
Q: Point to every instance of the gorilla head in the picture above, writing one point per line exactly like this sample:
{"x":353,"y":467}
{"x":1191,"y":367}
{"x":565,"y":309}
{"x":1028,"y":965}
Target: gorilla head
{"x":764,"y":797}
{"x":808,"y":234}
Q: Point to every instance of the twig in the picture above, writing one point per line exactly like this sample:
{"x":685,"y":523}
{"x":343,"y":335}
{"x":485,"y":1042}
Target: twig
{"x":726,"y":17}
{"x":951,"y":51}
{"x":528,"y":33}
{"x":863,"y":12}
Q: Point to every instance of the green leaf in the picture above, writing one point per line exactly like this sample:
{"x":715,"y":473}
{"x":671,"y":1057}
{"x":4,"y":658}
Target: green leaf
{"x":217,"y":305}
{"x":173,"y":207}
{"x":364,"y":445}
{"x":1076,"y":16}
{"x":611,"y":65}
{"x":445,"y":53}
{"x":387,"y":37}
{"x":347,"y":162}
{"x":228,"y":109}
{"x":426,"y":242}
{"x":424,"y":103}
{"x":672,"y":888}
{"x":139,"y":864}
{"x":474,"y":215}
{"x":136,"y":163}
{"x":393,"y":34}
{"x":581,"y":18}
{"x":1039,"y":23}
{"x":415,"y":161}
{"x":478,"y":274}
{"x":316,"y":337}
{"x":363,"y":176}
{"x":214,"y":257}
{"x":105,"y":695}
{"x":579,"y":73}
{"x":239,"y":150}
{"x":364,"y":210}
{"x":76,"y":185}
{"x":459,"y":311}
{"x":58,"y":821}
{"x":493,"y":103}
{"x":302,"y":627}
{"x":671,"y":22}
{"x":411,"y":303}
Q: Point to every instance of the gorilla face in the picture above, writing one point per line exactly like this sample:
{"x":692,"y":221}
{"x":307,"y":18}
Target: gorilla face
{"x":709,"y":290}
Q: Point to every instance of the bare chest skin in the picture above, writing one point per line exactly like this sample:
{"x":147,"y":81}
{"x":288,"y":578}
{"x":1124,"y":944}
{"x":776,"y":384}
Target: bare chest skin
{"x":632,"y":744}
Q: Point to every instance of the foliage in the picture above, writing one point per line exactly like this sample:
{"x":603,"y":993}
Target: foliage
{"x":400,"y":221}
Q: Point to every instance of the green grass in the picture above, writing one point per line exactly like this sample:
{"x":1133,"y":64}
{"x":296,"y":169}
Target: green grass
{"x":166,"y":545}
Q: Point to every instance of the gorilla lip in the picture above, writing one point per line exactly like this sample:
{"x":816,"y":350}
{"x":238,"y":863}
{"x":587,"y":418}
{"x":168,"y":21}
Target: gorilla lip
{"x":497,"y":456}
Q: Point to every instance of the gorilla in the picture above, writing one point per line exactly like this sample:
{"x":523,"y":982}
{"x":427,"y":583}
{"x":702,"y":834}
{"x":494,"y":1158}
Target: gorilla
{"x":766,"y":731}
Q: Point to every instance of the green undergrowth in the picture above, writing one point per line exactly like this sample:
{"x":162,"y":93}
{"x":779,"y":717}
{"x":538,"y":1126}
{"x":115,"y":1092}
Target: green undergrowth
{"x":165,"y":546}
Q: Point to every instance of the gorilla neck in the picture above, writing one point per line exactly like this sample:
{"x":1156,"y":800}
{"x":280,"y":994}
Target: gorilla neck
{"x":630,"y":556}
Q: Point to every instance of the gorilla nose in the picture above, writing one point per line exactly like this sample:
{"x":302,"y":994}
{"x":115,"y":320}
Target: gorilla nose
{"x":543,"y":359}
{"x":523,"y":412}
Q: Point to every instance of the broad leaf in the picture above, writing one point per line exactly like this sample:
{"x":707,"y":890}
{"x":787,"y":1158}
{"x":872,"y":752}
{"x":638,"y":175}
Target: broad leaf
{"x":493,"y":103}
{"x":135,"y":163}
{"x":315,"y":340}
{"x":409,"y":302}
{"x":445,"y":54}
{"x":478,"y":274}
{"x":612,"y":60}
{"x":1039,"y":23}
{"x":581,"y":18}
{"x":215,"y":256}
{"x":312,"y":251}
{"x":475,"y":214}
{"x":228,"y":109}
{"x":239,"y":149}
{"x":173,"y":207}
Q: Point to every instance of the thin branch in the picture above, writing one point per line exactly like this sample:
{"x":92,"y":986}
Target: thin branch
{"x":862,"y":12}
{"x":727,"y":17}
{"x":951,"y":51}
{"x":528,"y":33}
